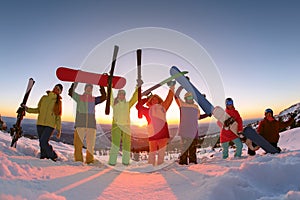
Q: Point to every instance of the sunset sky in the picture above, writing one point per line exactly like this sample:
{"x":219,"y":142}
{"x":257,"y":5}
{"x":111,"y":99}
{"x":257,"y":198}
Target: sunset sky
{"x":254,"y":46}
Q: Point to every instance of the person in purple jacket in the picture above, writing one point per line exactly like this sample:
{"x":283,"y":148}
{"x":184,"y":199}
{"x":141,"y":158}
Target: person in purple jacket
{"x":188,"y":127}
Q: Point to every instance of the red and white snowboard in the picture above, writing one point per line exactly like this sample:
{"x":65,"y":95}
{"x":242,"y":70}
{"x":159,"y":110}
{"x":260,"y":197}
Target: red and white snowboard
{"x":74,"y":75}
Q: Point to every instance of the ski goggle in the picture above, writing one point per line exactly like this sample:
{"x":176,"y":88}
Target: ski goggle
{"x":189,"y":98}
{"x":229,"y":102}
{"x":268,"y":110}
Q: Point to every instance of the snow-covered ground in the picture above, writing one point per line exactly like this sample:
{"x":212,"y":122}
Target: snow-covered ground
{"x":264,"y":176}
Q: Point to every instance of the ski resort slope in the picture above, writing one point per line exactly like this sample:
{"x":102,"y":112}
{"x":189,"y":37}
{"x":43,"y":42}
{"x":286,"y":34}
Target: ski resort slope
{"x":265,"y":177}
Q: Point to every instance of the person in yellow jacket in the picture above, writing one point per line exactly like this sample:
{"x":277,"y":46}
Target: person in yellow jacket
{"x":49,"y":118}
{"x":121,"y":127}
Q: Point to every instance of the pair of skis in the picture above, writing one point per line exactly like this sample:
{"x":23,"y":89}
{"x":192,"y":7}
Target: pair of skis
{"x":16,"y":131}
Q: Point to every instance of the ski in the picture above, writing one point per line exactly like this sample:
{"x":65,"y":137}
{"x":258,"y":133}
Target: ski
{"x":109,"y":85}
{"x":174,"y":76}
{"x":16,"y":130}
{"x":139,"y":78}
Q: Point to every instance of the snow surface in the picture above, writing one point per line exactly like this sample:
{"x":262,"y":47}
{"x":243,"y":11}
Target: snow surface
{"x":264,"y":176}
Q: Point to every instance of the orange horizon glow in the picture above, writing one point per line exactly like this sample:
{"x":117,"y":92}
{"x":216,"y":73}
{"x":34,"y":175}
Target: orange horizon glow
{"x":137,"y":122}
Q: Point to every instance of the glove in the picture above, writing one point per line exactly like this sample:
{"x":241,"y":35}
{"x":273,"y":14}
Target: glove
{"x":71,"y":89}
{"x":24,"y":107}
{"x":102,"y":91}
{"x":58,"y":134}
{"x":242,"y":137}
{"x":171,"y":83}
{"x":228,"y":122}
{"x":139,"y":83}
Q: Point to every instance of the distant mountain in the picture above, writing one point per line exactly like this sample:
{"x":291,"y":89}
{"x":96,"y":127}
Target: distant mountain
{"x":208,"y":132}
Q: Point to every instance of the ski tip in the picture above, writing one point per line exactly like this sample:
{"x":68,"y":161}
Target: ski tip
{"x":32,"y":80}
{"x":116,"y":48}
{"x":175,"y":67}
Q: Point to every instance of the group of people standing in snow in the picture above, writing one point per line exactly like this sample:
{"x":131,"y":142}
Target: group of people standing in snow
{"x":154,"y":109}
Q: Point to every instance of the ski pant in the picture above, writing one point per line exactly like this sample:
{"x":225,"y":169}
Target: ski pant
{"x":157,"y":146}
{"x":118,"y":133}
{"x":188,"y":150}
{"x":44,"y":134}
{"x":90,"y":136}
{"x":238,"y":152}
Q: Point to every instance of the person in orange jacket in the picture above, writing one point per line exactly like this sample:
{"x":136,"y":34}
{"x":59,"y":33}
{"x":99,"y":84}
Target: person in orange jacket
{"x":269,"y":129}
{"x":158,"y":131}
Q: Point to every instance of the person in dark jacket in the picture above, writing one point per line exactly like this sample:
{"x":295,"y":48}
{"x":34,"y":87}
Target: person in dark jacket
{"x":3,"y":126}
{"x":85,"y":122}
{"x":269,"y":129}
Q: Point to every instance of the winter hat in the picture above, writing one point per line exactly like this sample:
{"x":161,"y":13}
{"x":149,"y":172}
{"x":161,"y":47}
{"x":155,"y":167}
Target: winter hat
{"x":154,"y":96}
{"x":88,"y":85}
{"x":229,"y":102}
{"x":60,"y":86}
{"x":269,"y":110}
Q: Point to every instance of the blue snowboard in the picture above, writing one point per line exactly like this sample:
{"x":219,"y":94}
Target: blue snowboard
{"x":251,"y":134}
{"x":206,"y":106}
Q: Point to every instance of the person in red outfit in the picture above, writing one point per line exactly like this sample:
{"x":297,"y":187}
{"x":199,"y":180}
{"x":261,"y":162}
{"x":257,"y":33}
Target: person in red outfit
{"x":158,"y":131}
{"x":269,"y":129}
{"x":227,"y":135}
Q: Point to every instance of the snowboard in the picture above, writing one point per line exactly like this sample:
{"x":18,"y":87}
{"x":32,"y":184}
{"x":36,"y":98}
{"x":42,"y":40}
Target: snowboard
{"x":174,"y":76}
{"x":251,"y":134}
{"x":218,"y":112}
{"x":206,"y":106}
{"x":74,"y":75}
{"x":16,"y":130}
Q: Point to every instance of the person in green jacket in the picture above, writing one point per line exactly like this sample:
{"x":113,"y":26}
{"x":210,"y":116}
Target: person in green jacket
{"x":121,"y":127}
{"x":49,"y":112}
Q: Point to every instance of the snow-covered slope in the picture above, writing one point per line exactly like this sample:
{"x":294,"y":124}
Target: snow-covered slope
{"x":266,"y":177}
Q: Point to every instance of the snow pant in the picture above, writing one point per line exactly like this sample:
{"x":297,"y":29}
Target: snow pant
{"x":157,"y":146}
{"x":238,"y":152}
{"x":188,"y":151}
{"x":44,"y":134}
{"x":118,"y":133}
{"x":90,"y":136}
